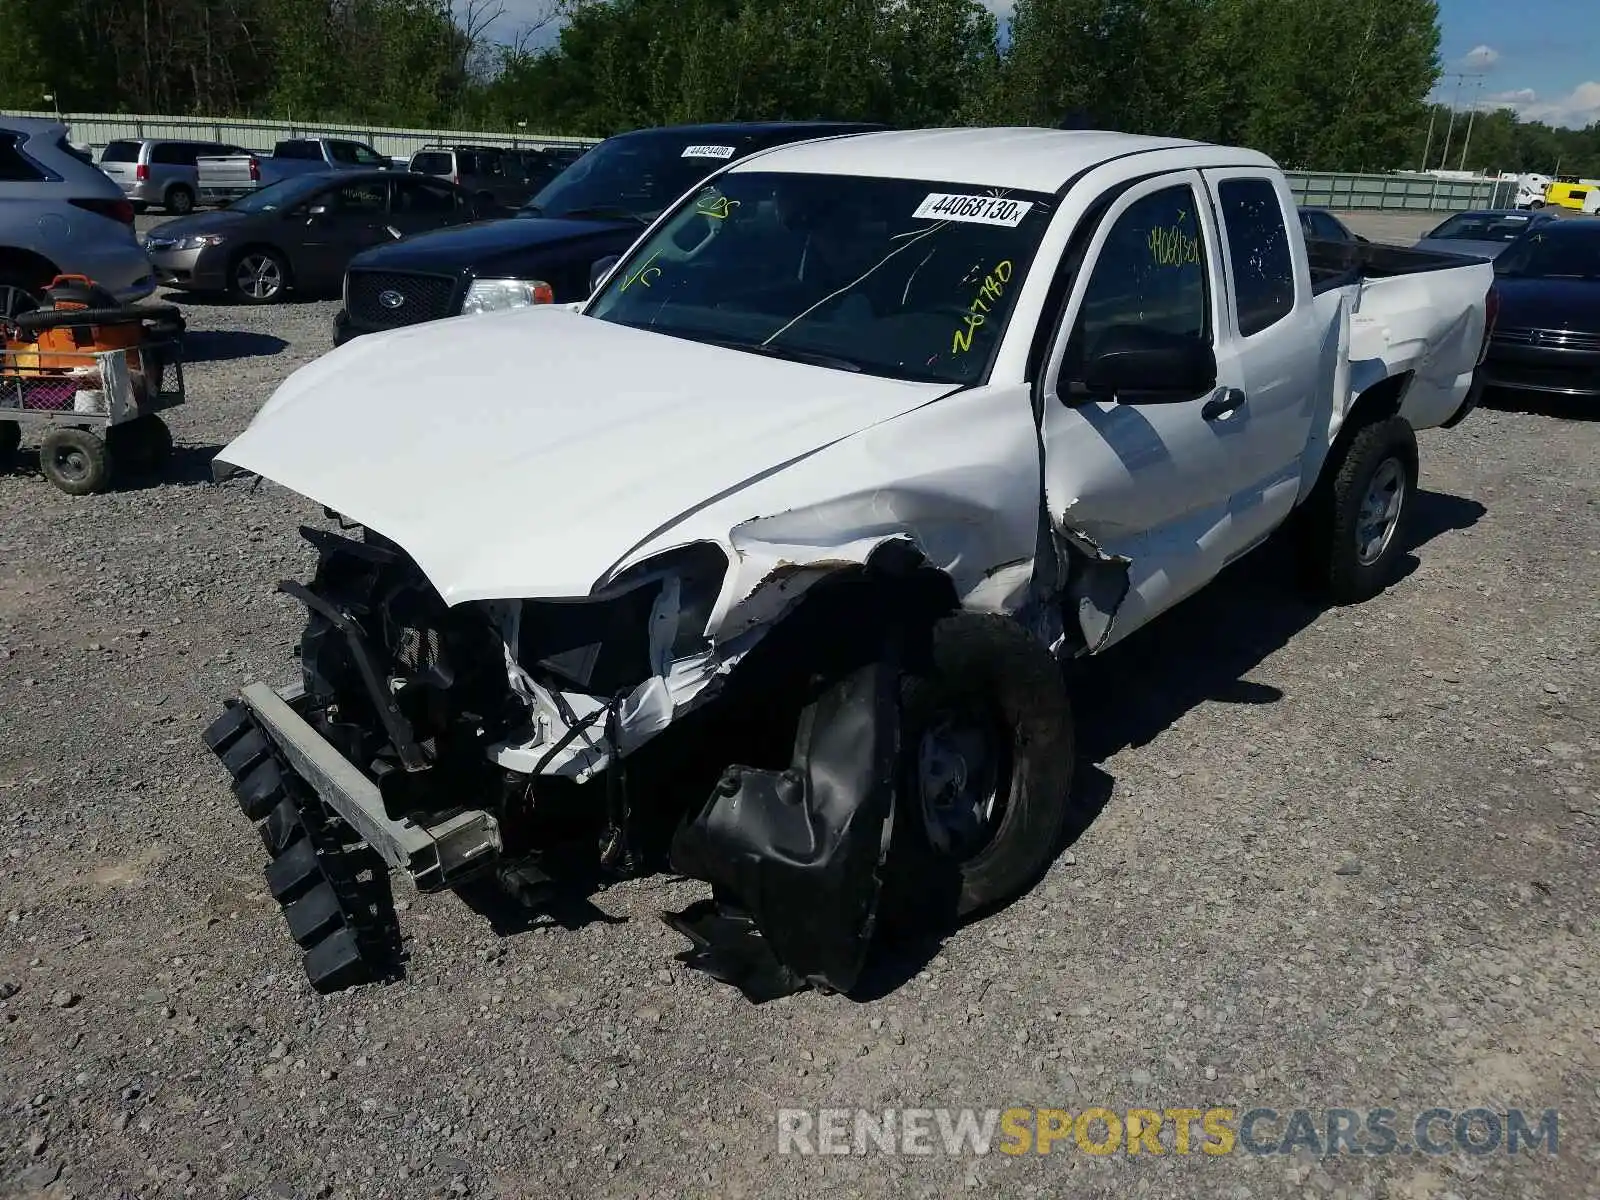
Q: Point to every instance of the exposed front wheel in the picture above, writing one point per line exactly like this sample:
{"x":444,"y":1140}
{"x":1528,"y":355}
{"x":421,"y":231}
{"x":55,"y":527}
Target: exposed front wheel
{"x":258,"y":277}
{"x":1355,"y":520}
{"x":987,"y":763}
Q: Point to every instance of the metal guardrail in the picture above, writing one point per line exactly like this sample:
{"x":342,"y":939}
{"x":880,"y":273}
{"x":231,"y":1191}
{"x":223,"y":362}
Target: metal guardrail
{"x":1422,"y":193}
{"x":97,"y":129}
{"x":1401,"y":192}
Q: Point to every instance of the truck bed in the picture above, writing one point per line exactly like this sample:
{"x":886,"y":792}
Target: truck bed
{"x":1337,"y":264}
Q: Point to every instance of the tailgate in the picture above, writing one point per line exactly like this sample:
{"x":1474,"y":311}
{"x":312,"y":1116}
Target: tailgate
{"x":124,"y":174}
{"x":232,"y":171}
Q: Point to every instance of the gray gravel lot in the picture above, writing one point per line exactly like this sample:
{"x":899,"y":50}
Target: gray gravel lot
{"x":1331,"y":859}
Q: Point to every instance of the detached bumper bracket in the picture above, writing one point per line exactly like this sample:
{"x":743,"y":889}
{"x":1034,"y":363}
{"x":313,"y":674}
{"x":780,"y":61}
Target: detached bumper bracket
{"x":436,"y":856}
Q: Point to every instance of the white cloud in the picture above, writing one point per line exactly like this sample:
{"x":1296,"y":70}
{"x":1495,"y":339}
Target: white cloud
{"x":1578,"y":108}
{"x":1480,"y":58}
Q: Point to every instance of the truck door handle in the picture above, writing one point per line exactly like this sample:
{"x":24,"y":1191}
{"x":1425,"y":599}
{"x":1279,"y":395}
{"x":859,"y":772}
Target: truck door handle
{"x":1226,"y":401}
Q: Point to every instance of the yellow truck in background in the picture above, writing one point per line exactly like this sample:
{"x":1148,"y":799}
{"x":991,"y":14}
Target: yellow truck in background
{"x":1570,"y":193}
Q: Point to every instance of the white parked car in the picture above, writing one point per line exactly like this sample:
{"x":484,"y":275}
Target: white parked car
{"x":61,"y":215}
{"x":762,"y":561}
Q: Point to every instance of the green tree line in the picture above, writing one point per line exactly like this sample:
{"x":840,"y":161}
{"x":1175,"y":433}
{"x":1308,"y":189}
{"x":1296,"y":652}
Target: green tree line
{"x":1325,"y":84}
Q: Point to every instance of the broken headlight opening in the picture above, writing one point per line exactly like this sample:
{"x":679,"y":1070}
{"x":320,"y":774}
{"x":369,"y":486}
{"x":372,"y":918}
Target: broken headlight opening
{"x":649,"y":617}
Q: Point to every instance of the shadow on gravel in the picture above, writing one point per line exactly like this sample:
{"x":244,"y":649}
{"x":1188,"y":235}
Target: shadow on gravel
{"x":1538,"y":404}
{"x":189,"y":465}
{"x":566,"y":904}
{"x":225,"y":345}
{"x":291,"y":299}
{"x":1202,"y":649}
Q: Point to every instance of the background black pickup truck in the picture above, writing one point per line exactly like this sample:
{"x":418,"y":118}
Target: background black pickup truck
{"x":595,"y":208}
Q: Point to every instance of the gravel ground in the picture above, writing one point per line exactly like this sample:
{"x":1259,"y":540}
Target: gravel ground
{"x":1331,"y":859}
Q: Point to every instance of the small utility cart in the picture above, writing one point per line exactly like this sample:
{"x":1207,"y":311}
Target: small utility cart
{"x":93,"y":377}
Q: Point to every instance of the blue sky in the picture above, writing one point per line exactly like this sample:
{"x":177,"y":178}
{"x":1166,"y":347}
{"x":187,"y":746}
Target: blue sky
{"x":1541,"y":57}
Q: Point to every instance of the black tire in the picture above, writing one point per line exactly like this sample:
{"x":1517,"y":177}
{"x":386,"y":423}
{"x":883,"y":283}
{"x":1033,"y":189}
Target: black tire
{"x":141,"y":445}
{"x":76,"y":461}
{"x":10,"y":439}
{"x":140,"y":208}
{"x":19,"y":293}
{"x":996,"y":673}
{"x":1342,"y":557}
{"x":265,"y":291}
{"x":180,"y":200}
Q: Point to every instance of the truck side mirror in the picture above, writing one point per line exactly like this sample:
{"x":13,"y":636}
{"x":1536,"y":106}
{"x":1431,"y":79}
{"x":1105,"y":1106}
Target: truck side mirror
{"x":1135,"y":364}
{"x":599,"y":270}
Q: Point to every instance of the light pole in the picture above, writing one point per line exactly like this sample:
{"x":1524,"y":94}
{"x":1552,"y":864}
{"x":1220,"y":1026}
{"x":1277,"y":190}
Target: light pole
{"x":1444,"y":159}
{"x":1471,"y":116}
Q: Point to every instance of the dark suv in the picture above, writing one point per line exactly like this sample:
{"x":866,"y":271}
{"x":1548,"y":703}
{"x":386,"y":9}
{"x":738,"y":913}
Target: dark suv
{"x":494,"y":176}
{"x":547,"y":252}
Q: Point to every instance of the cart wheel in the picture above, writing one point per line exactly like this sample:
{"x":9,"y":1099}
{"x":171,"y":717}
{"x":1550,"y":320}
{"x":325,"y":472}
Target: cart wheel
{"x":157,"y":442}
{"x":10,"y":439}
{"x":75,"y":461}
{"x":143,"y":444}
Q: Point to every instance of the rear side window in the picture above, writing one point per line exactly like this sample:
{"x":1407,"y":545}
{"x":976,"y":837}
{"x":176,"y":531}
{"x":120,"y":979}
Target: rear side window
{"x":420,"y":196}
{"x":14,"y":168}
{"x":1258,"y":248}
{"x":120,"y":152}
{"x":432,"y":163}
{"x":172,"y":154}
{"x":354,"y":153}
{"x":297,"y":150}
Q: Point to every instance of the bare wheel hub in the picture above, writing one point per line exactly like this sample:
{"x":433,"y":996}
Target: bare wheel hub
{"x":961,"y":769}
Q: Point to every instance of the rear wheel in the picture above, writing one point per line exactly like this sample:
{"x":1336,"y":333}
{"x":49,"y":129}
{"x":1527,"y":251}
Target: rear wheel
{"x":259,"y":276}
{"x":987,"y":753}
{"x":180,"y":200}
{"x":19,"y":293}
{"x":1354,"y":531}
{"x":10,"y":439}
{"x":142,"y":445}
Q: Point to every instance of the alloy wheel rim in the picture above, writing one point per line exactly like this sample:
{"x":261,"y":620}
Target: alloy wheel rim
{"x":259,"y":277}
{"x":1379,"y":515}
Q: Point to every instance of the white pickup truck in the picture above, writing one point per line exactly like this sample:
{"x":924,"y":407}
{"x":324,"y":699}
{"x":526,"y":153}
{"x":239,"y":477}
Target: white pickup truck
{"x":761,"y":563}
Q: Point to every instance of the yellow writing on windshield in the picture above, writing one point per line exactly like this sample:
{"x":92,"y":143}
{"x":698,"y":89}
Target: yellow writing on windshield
{"x":717,"y":207}
{"x":647,"y":273}
{"x":989,"y":293}
{"x":1174,"y":247}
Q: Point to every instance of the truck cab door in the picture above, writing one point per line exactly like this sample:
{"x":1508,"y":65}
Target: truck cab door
{"x":1287,"y":358}
{"x":1149,"y":476}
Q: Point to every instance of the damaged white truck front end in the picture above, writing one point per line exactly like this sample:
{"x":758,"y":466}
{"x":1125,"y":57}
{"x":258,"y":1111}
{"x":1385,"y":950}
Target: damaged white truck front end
{"x":761,"y":566}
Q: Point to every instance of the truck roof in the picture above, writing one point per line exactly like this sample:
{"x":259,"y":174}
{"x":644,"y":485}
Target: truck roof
{"x":1037,"y":160}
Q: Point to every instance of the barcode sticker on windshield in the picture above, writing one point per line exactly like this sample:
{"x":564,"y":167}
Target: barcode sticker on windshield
{"x":980,"y":210}
{"x":707,"y":152}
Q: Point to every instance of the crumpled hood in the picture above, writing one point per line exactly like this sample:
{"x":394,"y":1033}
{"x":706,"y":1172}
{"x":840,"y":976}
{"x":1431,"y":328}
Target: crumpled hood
{"x":528,"y":453}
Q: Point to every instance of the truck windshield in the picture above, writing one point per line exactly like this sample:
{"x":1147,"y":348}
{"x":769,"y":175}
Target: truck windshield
{"x":630,"y":178}
{"x":896,"y":277}
{"x":1565,"y":250}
